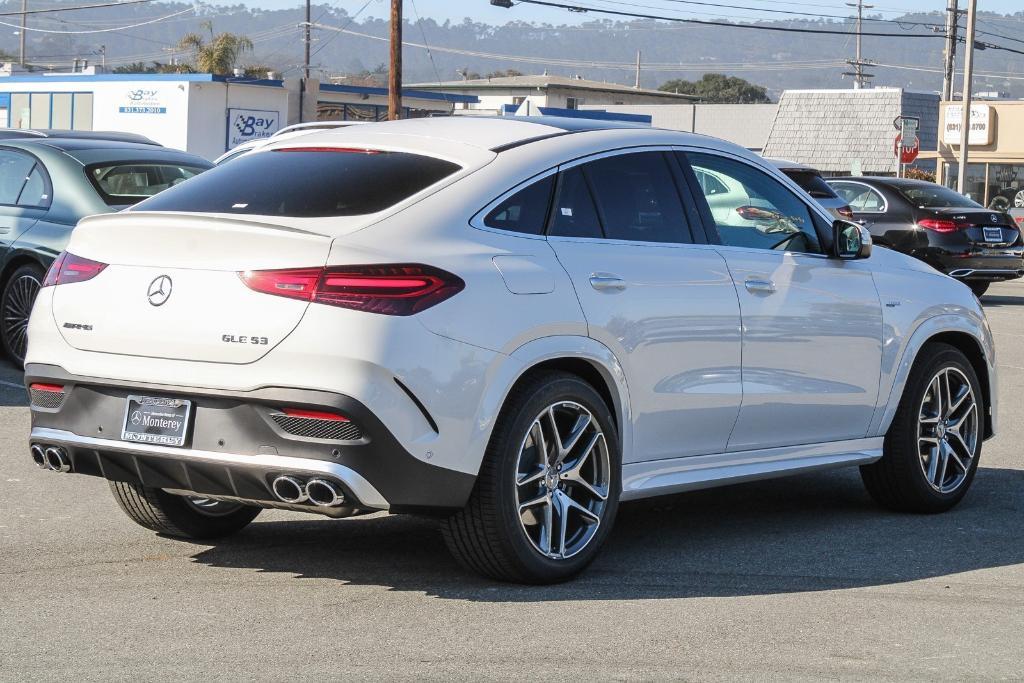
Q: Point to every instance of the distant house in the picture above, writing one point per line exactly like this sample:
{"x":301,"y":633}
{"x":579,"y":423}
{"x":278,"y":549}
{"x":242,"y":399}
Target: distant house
{"x":525,"y":94}
{"x":841,"y":132}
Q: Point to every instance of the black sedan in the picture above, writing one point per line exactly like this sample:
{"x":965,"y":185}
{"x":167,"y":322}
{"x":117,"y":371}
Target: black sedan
{"x":47,"y":183}
{"x":941,"y":227}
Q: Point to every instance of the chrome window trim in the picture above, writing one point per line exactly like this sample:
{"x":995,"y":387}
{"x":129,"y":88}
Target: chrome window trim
{"x":885,"y":202}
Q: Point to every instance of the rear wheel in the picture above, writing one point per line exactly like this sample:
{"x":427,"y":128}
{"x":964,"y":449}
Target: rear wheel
{"x":19,"y":294}
{"x":548,"y":488}
{"x":979,"y":288}
{"x":933,"y":445}
{"x":182,"y":516}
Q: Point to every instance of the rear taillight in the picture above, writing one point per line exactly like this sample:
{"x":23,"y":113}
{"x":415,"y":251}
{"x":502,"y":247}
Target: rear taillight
{"x":390,"y":289}
{"x":314,"y":414}
{"x":69,"y":268}
{"x":50,"y":388}
{"x":845,"y":211}
{"x":942,"y":224}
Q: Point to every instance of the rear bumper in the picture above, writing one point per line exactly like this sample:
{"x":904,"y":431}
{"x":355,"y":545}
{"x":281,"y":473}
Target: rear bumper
{"x":235,"y":448}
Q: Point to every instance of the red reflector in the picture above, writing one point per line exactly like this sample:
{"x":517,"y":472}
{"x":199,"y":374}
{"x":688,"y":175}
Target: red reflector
{"x":68,"y":269}
{"x":53,"y":388}
{"x":845,"y":211}
{"x":941,"y":224}
{"x":314,"y":415}
{"x":390,"y":289}
{"x":349,"y":150}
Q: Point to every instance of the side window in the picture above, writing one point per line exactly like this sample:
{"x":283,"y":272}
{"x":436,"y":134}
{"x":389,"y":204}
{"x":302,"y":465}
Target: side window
{"x":572,"y":212}
{"x":34,"y":193}
{"x":524,"y":211}
{"x":14,"y":171}
{"x":755,"y":210}
{"x":860,"y":197}
{"x":637,"y":198}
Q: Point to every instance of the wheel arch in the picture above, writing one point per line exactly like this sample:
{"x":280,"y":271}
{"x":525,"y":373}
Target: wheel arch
{"x":17,"y":261}
{"x":969,"y":335}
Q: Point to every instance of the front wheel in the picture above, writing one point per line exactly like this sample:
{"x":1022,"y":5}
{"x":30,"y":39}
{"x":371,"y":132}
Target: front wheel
{"x":932,"y":448}
{"x":548,"y":488}
{"x":182,"y":516}
{"x":979,"y":288}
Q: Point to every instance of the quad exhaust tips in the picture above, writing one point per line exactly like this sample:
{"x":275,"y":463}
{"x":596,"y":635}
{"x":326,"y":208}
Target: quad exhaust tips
{"x":53,"y":458}
{"x":317,"y":491}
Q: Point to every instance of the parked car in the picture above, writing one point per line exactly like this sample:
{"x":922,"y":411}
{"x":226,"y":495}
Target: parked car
{"x":810,"y":181}
{"x":512,"y":324}
{"x":953,"y":234}
{"x":288,"y":132}
{"x":47,"y":183}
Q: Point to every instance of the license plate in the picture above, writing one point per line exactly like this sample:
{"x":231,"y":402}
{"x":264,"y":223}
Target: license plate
{"x":993,"y":234}
{"x":156,"y":420}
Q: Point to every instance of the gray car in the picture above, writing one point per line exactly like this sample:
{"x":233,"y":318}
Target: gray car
{"x":48,"y":183}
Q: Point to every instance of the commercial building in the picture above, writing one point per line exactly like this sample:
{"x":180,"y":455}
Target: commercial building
{"x":525,"y":95}
{"x":995,"y":161}
{"x":746,"y":125}
{"x":200,"y":113}
{"x":844,"y":132}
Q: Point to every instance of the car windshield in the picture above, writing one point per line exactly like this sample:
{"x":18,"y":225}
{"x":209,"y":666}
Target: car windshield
{"x":812,"y":183}
{"x":126,"y":183}
{"x":936,"y":197}
{"x":306,"y":183}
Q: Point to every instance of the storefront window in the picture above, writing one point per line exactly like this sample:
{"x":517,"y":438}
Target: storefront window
{"x":1005,"y":186}
{"x":60,"y":111}
{"x":975,"y":185}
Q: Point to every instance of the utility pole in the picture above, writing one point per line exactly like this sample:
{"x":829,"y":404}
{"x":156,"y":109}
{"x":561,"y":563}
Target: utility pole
{"x":306,"y":39}
{"x":636,"y":82}
{"x":395,"y":70}
{"x":949,"y":54}
{"x":965,"y":118}
{"x":858,"y":64}
{"x":21,"y":33}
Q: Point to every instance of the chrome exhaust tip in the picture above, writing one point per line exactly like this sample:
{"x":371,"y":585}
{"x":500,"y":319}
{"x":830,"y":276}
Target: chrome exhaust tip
{"x":289,"y":490}
{"x":57,"y":459}
{"x":39,"y":456}
{"x":324,"y":493}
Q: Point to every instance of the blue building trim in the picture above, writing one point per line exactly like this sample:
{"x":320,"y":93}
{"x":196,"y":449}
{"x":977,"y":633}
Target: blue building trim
{"x":419,"y":94}
{"x":597,"y":114}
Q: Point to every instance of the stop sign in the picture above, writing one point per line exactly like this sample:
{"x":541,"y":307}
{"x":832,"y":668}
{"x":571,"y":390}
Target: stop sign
{"x":907,"y":153}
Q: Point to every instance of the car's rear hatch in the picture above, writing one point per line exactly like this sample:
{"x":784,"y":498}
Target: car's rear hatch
{"x":172,"y":287}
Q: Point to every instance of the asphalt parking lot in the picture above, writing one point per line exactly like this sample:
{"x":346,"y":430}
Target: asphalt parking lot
{"x":794,"y":579}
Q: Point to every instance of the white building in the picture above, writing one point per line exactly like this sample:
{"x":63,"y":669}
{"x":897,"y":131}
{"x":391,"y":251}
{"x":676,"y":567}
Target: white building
{"x":526,"y":95}
{"x":201,"y":113}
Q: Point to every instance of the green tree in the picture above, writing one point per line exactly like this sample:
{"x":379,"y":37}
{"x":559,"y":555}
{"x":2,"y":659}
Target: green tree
{"x":217,"y":54}
{"x":720,"y":89}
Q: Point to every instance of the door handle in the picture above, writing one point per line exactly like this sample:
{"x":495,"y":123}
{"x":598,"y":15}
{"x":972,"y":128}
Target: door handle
{"x":607,"y":282}
{"x":756,"y":286}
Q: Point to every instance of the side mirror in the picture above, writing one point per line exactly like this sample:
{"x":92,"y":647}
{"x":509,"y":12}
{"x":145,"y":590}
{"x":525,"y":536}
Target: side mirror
{"x":850,"y":240}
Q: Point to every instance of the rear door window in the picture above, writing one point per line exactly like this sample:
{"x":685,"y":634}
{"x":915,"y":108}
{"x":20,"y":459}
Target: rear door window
{"x":572,"y":212}
{"x":637,"y":198}
{"x":14,"y":171}
{"x":861,"y":198}
{"x":35,"y":193}
{"x":306,"y":183}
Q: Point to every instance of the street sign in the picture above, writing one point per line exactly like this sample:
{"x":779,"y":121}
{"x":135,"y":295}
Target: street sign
{"x":907,"y":152}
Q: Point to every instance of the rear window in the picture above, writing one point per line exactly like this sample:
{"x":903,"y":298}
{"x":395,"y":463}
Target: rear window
{"x":812,"y":183}
{"x":936,"y":197}
{"x":304,"y":183}
{"x":126,"y":183}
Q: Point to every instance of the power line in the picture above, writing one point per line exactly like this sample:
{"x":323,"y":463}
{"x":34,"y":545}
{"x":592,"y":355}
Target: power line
{"x":98,"y":30}
{"x":76,"y":7}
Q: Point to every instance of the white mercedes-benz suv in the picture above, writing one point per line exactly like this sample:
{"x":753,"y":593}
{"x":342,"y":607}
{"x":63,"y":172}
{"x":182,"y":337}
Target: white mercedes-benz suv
{"x":512,"y":324}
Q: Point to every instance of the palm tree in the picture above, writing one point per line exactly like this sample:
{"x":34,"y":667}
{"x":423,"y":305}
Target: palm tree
{"x":216,"y":55}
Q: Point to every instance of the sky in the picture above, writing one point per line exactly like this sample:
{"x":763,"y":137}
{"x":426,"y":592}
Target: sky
{"x":481,"y":10}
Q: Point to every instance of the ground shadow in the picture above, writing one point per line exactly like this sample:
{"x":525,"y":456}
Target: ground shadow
{"x":807,"y":533}
{"x":999,"y":300}
{"x":12,"y":393}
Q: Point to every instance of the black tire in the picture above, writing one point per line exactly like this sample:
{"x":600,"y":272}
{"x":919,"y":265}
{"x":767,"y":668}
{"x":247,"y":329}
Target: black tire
{"x":486,"y":536}
{"x":979,"y":288}
{"x":898,"y":481}
{"x":19,"y":293}
{"x":175,"y":516}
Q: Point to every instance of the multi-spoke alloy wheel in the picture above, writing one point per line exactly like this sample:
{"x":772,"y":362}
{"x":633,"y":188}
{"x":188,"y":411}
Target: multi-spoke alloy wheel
{"x":548,"y":488}
{"x":18,"y":297}
{"x":948,"y":430}
{"x":562,"y":480}
{"x":933,"y":444}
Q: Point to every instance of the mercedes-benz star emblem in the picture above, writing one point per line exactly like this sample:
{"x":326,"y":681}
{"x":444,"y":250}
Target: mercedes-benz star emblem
{"x":136,"y":417}
{"x":994,"y":218}
{"x":159,"y":290}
